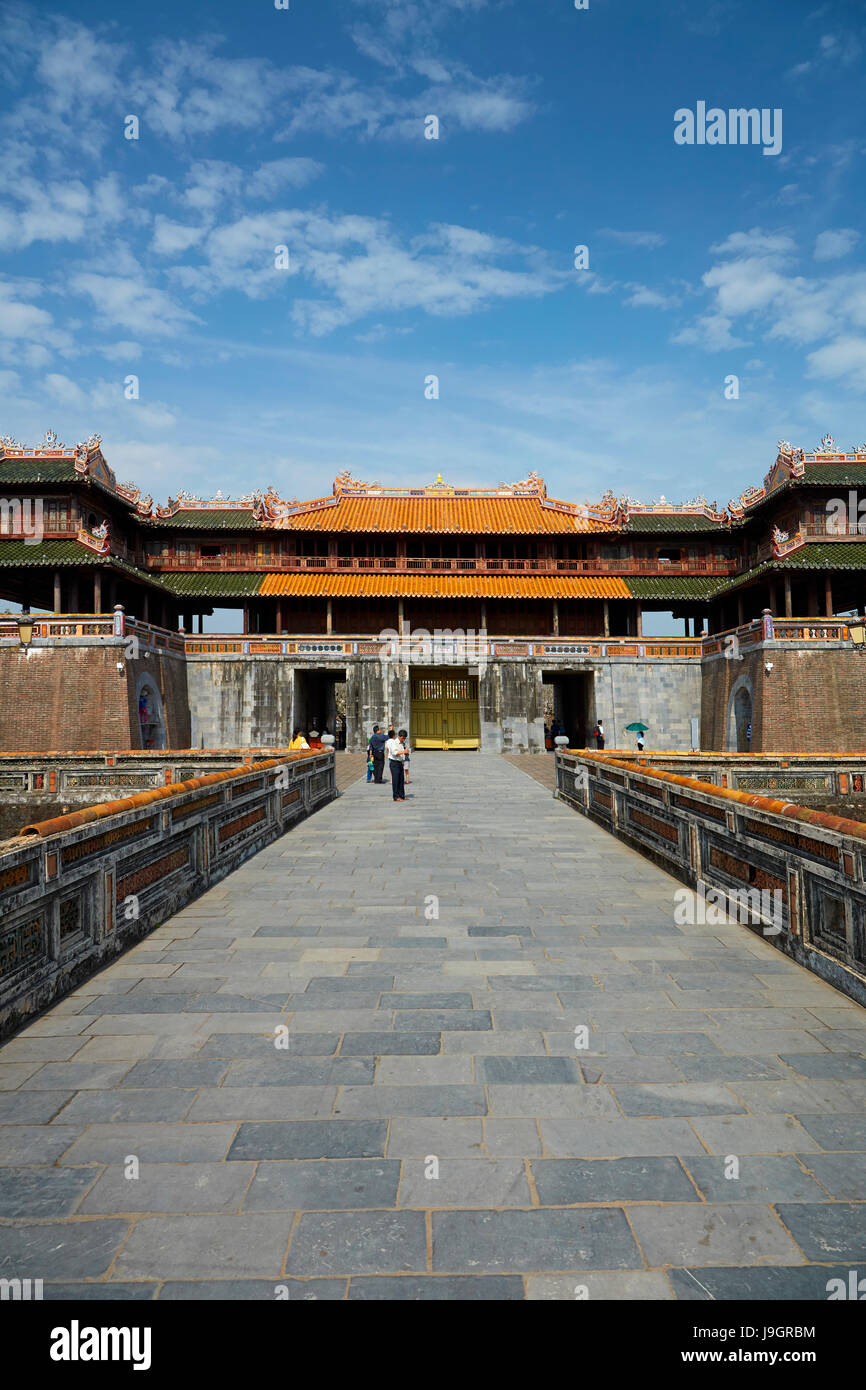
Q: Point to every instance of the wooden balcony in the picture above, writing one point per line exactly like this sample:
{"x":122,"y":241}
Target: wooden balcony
{"x":708,"y":565}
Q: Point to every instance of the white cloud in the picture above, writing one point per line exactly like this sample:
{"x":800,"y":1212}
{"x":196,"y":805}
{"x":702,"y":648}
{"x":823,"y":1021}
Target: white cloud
{"x":712,"y":332}
{"x":844,"y":359}
{"x":640,"y":239}
{"x":127,"y":301}
{"x":642,"y":297}
{"x":172,"y":238}
{"x":833,"y":244}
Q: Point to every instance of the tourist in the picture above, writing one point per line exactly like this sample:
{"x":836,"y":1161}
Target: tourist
{"x":396,"y":755}
{"x":376,"y":750}
{"x":599,"y":735}
{"x":403,"y":736}
{"x":640,"y":742}
{"x":298,"y":741}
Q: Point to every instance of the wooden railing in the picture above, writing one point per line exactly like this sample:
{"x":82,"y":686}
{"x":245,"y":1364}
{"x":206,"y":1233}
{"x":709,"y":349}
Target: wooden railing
{"x":709,"y":565}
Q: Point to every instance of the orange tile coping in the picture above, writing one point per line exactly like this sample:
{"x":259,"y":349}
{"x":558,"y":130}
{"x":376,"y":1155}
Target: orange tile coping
{"x":838,"y":824}
{"x":439,"y":585}
{"x":134,"y":803}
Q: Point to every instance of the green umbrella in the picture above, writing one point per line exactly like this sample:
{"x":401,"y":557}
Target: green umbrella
{"x":636,"y":728}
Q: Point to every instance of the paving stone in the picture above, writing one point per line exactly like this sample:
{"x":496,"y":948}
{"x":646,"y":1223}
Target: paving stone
{"x":426,"y":1001}
{"x":385,"y":1044}
{"x":753,"y":1134}
{"x":464,"y":1183}
{"x":440,"y":1020}
{"x":235,"y":1003}
{"x":418,"y":1137}
{"x":832,"y":1064}
{"x":688,"y":1098}
{"x":717,"y":1234}
{"x":187,"y":1072}
{"x":835,"y":1131}
{"x":310,"y":1139}
{"x":807,"y":1283}
{"x":151,"y":1143}
{"x":525,"y":1042}
{"x":490,"y":1242}
{"x":55,"y":1250}
{"x":89,"y":1106}
{"x":42,"y":1192}
{"x":336,"y":1184}
{"x":253,"y":1290}
{"x":136,"y":1004}
{"x":440,"y":1287}
{"x":563,"y":1182}
{"x":670,"y":1044}
{"x":78,"y":1076}
{"x":242,"y":1045}
{"x":40,"y":1144}
{"x":183,"y":1246}
{"x":617,"y":1138}
{"x":282,"y":1069}
{"x":760,"y":1179}
{"x":411,"y":1100}
{"x":827,"y":1231}
{"x":425,"y":1071}
{"x":506,"y":1138}
{"x":31,"y":1107}
{"x":262,"y":1103}
{"x":528,"y":1071}
{"x":169,"y":1187}
{"x":620,"y":1286}
{"x":722,"y":1068}
{"x":107,"y":1291}
{"x":370,"y":1242}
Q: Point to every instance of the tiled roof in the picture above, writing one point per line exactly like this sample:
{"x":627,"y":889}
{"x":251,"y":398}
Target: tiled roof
{"x":653,"y":521}
{"x":207,"y":519}
{"x":213,"y":585}
{"x":673,"y":586}
{"x":441,"y":515}
{"x":536,"y":586}
{"x":836,"y":555}
{"x":62,"y":554}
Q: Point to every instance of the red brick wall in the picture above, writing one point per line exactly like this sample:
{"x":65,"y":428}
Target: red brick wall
{"x":59,"y":698}
{"x":812,"y":701}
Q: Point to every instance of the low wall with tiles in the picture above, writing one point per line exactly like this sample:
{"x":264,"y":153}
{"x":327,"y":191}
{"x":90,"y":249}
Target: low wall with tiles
{"x":735,"y":843}
{"x":78,"y":890}
{"x":804,"y":777}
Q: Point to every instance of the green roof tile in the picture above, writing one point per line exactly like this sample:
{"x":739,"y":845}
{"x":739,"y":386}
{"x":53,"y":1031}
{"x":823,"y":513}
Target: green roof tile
{"x":207,"y":520}
{"x":674,"y":586}
{"x":213,"y":585}
{"x":638,"y":523}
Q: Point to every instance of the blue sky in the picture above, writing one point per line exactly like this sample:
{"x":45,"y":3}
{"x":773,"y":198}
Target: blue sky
{"x":409,"y":257}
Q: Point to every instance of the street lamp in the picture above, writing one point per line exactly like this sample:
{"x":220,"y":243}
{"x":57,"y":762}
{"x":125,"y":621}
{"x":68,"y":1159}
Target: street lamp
{"x":25,"y":630}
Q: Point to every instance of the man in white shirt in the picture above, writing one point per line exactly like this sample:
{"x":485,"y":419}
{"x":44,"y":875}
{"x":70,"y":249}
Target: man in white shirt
{"x":395,"y":753}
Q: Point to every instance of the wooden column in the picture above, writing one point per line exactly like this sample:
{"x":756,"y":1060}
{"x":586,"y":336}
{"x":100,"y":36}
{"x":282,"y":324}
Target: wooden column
{"x":828,"y":596}
{"x":638,"y":620}
{"x":279,"y":609}
{"x":555,"y":617}
{"x":329,"y":617}
{"x":789,"y":612}
{"x":740,"y":611}
{"x":97,"y":591}
{"x":483,"y":615}
{"x":57,"y":592}
{"x":400,"y":611}
{"x":246,"y":617}
{"x":606,"y":616}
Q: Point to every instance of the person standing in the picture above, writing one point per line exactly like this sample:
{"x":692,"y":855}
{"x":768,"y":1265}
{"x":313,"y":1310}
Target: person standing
{"x":640,"y":742}
{"x":376,"y":747}
{"x":396,"y":754}
{"x":404,"y":739}
{"x":298,"y":741}
{"x":599,"y":735}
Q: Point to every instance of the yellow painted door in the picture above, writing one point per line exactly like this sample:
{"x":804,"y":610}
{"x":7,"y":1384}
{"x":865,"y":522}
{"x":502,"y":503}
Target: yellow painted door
{"x":445,"y":711}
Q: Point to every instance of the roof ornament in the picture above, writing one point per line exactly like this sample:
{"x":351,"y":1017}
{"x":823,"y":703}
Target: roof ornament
{"x":858,"y":449}
{"x":50,"y":440}
{"x":7,"y":442}
{"x":827,"y":445}
{"x":344,"y":482}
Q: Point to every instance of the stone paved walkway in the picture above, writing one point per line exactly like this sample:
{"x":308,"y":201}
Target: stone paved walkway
{"x":431,"y":1131}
